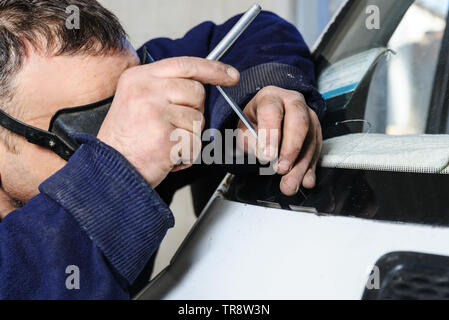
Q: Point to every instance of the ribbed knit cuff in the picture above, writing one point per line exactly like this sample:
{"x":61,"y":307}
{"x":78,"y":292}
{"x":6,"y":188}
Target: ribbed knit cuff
{"x":112,"y":202}
{"x":269,"y":74}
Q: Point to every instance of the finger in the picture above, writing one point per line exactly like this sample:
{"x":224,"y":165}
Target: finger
{"x":309,"y":180}
{"x":296,"y":129}
{"x":245,"y":139}
{"x":291,"y":182}
{"x":186,"y":149}
{"x":185,"y":92}
{"x":186,"y":118}
{"x":205,"y":71}
{"x":310,"y":177}
{"x":270,"y":114}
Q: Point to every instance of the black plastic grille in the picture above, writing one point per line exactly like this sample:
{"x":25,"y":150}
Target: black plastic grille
{"x":412,"y":276}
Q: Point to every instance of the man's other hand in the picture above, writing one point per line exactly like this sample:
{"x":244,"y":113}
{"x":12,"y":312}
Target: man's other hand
{"x":151,"y":102}
{"x":297,"y":139}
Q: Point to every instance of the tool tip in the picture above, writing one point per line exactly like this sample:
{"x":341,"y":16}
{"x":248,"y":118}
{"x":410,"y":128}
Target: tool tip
{"x":257,"y":7}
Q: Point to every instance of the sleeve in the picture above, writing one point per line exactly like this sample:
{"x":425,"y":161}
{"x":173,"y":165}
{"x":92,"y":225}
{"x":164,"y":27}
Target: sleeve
{"x":270,"y":52}
{"x":87,"y":235}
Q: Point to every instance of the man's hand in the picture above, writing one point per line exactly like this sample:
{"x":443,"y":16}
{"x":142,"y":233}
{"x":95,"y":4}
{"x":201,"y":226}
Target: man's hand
{"x":297,"y":144}
{"x":151,"y":102}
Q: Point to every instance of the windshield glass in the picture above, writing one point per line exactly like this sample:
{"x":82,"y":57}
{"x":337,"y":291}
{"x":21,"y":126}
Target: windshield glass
{"x":401,"y":90}
{"x":387,"y":101}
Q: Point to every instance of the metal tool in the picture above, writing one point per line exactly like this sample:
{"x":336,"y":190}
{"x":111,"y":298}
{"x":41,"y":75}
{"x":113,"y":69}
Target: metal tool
{"x":235,"y":32}
{"x":221,"y":49}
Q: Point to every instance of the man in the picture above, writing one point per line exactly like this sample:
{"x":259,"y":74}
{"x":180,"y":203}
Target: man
{"x":97,"y":216}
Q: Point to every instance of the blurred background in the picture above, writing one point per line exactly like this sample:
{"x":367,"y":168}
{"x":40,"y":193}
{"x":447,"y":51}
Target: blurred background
{"x":148,"y":19}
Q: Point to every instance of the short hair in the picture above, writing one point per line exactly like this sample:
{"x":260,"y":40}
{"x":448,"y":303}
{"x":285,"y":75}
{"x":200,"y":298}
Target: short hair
{"x":43,"y":25}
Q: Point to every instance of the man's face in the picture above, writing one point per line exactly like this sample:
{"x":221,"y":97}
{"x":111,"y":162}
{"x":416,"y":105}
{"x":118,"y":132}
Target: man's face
{"x":44,"y":85}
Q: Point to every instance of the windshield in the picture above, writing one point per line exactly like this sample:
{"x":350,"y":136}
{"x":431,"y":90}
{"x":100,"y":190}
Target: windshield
{"x":387,"y":98}
{"x":387,"y":102}
{"x":400,"y":93}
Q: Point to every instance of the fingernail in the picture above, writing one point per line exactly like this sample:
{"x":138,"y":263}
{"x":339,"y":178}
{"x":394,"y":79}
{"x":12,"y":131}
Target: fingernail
{"x":311,"y":176}
{"x":284,"y":166}
{"x":232,"y":72}
{"x":293,"y":185}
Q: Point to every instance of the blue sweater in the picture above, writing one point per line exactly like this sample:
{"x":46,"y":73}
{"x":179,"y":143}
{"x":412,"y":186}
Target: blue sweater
{"x":99,"y":214}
